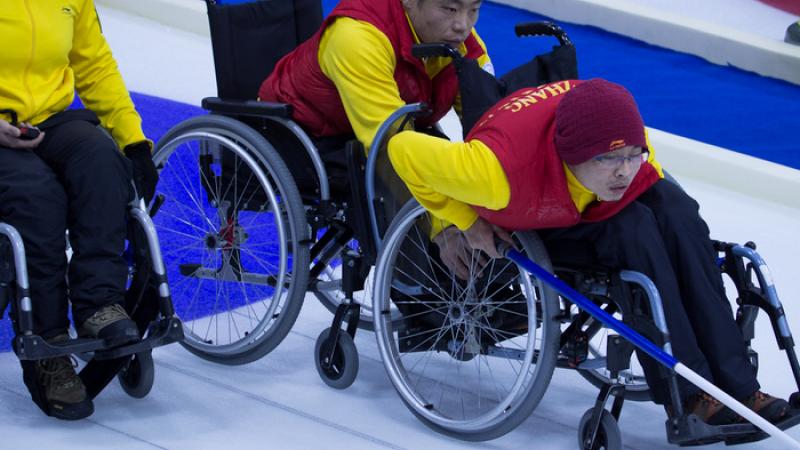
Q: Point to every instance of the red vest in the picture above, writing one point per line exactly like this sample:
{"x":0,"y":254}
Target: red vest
{"x":299,"y":81}
{"x":520,"y":131}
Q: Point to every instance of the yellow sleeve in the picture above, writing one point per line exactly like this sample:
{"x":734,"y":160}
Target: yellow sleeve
{"x":651,"y":158}
{"x":360,"y":61}
{"x":98,"y":81}
{"x":448,"y":177}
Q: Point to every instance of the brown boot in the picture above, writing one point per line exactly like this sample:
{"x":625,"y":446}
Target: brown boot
{"x":56,"y":388}
{"x":710,"y":410}
{"x":112,"y":324}
{"x":773,"y":409}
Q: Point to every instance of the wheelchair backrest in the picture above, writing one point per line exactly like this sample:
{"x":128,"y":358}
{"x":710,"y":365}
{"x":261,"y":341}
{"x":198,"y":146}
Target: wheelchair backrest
{"x":248,"y":40}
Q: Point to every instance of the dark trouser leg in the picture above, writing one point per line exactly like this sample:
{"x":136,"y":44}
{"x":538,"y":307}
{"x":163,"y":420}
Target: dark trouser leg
{"x":96,"y":177}
{"x":34,"y":202}
{"x":632,"y":240}
{"x":686,"y":237}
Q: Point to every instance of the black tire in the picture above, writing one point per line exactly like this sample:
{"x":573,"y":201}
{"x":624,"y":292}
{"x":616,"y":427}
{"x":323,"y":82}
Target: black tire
{"x":608,"y":435}
{"x":137,"y":377}
{"x":344,"y":367}
{"x":270,"y":329}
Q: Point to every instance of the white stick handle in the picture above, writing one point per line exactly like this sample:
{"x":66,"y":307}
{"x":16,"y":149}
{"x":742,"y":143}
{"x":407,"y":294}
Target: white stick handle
{"x":733,"y":404}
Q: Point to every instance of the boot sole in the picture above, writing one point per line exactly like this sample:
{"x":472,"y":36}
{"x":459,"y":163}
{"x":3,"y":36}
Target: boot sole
{"x":71,"y":411}
{"x":119,"y":333}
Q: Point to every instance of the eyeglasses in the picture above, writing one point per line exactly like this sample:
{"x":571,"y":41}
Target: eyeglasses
{"x":614,"y":161}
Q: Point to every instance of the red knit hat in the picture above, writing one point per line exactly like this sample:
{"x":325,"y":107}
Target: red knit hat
{"x":596,"y":117}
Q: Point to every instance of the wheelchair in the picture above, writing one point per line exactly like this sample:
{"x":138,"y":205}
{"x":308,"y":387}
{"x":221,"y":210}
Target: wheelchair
{"x":256,"y":213}
{"x":147,"y":301}
{"x":472,"y":359}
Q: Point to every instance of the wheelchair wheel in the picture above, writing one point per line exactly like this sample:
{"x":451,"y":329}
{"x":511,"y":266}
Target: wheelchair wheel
{"x":608,"y":435}
{"x":137,"y":377}
{"x":234,"y":238}
{"x":340,"y":371}
{"x":470,"y":359}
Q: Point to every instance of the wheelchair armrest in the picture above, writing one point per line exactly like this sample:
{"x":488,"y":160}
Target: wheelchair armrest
{"x":246,"y":108}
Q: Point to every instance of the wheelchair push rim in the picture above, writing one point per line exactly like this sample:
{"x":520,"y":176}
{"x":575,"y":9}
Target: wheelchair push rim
{"x":494,"y":375}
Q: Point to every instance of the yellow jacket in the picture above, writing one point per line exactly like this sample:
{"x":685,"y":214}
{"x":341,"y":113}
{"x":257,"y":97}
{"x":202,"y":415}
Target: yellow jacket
{"x":50,"y":50}
{"x":360,"y":61}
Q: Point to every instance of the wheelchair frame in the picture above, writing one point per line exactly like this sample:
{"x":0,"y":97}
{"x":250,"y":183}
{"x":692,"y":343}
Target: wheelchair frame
{"x":336,"y":357}
{"x":148,"y":276}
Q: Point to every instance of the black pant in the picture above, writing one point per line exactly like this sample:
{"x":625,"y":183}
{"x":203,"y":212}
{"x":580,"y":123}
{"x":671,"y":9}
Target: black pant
{"x":75,"y":179}
{"x":663,"y":236}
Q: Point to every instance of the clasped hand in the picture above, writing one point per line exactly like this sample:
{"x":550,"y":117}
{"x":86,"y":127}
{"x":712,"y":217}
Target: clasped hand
{"x":457,"y":249}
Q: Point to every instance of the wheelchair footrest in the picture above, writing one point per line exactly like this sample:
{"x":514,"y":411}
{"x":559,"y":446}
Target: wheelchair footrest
{"x":162,"y":332}
{"x":691,"y":431}
{"x":790,"y":421}
{"x":34,"y":347}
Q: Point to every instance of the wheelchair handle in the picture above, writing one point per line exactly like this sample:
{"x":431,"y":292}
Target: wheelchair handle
{"x":435,"y":49}
{"x":542,"y":29}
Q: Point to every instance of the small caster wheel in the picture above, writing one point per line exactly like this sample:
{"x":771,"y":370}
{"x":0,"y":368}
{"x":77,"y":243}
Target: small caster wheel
{"x":794,"y":400}
{"x":136,"y":377}
{"x":340,"y":371}
{"x":608,"y":435}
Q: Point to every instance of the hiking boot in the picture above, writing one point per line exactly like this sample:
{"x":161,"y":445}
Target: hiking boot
{"x":56,"y":388}
{"x":771,"y":408}
{"x":793,"y":33}
{"x":112,"y":324}
{"x":710,"y":410}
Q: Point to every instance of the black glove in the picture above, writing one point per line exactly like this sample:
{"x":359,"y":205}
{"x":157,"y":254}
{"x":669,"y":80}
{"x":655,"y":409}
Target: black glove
{"x":145,"y":175}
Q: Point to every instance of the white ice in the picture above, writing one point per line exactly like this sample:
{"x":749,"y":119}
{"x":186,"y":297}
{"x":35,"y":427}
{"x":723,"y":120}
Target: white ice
{"x":280,"y":402}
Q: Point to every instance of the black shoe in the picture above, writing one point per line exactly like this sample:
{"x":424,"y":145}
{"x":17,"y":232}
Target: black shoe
{"x":793,"y":33}
{"x":56,"y":388}
{"x":112,"y":324}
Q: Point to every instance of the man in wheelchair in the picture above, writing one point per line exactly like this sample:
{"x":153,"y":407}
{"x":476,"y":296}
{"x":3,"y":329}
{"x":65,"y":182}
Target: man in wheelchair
{"x":68,"y":174}
{"x":358,"y":68}
{"x":571,"y":159}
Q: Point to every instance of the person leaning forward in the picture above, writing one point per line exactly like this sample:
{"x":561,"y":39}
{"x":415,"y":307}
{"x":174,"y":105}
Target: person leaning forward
{"x":571,"y":159}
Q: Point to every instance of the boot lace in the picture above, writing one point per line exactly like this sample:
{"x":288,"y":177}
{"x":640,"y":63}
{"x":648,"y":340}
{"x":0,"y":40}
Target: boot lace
{"x":59,"y":373}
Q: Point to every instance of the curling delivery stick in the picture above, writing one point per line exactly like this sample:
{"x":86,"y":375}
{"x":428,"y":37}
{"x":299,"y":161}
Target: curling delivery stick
{"x":645,"y":345}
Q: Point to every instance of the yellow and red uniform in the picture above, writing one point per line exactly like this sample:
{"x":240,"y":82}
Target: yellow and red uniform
{"x":358,"y":69}
{"x":507,"y":171}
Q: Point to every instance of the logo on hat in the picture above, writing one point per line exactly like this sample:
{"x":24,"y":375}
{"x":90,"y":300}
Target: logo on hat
{"x":619,"y":143}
